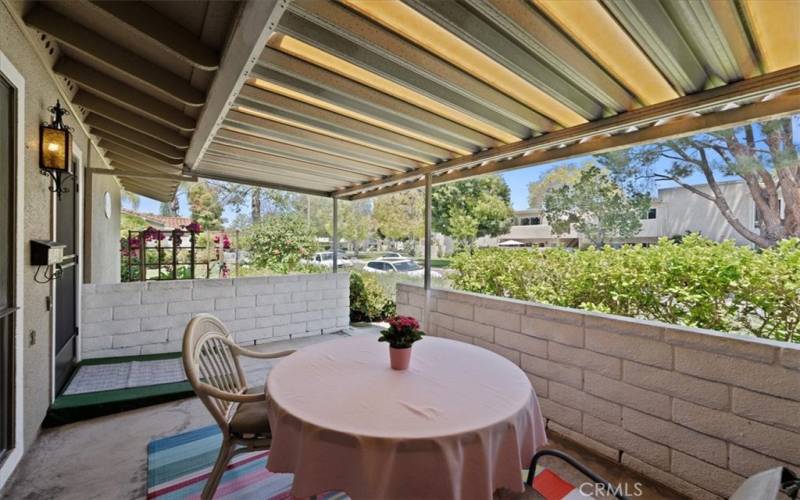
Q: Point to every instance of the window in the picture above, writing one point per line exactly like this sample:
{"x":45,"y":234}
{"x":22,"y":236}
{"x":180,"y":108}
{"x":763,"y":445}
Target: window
{"x":536,"y":221}
{"x":525,"y":221}
{"x":406,"y":265}
{"x":651,"y":214}
{"x":376,"y":265}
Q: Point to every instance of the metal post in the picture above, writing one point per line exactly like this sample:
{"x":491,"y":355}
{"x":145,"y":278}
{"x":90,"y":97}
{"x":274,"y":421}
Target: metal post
{"x":191,"y":255}
{"x":237,"y":252}
{"x":428,"y":231}
{"x":335,"y":235}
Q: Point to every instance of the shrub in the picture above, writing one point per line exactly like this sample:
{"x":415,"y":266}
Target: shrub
{"x":368,"y":300}
{"x":696,"y":282}
{"x":279,"y":243}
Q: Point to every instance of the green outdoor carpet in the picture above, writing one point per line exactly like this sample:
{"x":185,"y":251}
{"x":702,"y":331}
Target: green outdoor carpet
{"x":122,"y":384}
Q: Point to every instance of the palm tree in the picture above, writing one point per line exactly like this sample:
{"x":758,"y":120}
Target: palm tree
{"x":131,"y":199}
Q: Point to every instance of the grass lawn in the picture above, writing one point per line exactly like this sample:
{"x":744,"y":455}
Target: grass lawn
{"x":437,"y":263}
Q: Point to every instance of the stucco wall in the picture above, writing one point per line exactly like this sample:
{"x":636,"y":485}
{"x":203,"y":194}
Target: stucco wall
{"x":41,"y":93}
{"x":101,"y":248}
{"x":147,"y":318}
{"x":686,"y":211}
{"x":696,"y":410}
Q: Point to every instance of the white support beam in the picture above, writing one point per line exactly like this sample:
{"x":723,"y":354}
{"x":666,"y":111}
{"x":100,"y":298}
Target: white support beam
{"x":109,"y":110}
{"x":168,"y":34}
{"x":257,"y":20}
{"x":142,"y":175}
{"x":109,"y":54}
{"x":335,"y":236}
{"x":114,"y":147}
{"x":270,"y":185}
{"x":102,"y":123}
{"x":122,"y":94}
{"x":428,"y":228}
{"x":106,"y":137}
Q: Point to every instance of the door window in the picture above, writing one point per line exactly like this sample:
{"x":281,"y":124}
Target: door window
{"x":7,"y":259}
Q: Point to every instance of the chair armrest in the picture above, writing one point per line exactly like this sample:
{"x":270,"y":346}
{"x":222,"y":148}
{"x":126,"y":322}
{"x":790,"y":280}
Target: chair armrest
{"x":258,"y":355}
{"x":229,"y":396}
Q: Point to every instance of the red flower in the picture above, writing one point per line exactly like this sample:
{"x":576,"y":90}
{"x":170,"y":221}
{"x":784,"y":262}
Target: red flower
{"x":404,"y":323}
{"x":194,"y":227}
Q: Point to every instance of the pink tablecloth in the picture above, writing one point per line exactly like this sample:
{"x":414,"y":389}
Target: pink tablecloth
{"x":459,"y":424}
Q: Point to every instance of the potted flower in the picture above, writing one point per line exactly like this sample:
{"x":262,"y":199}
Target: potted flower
{"x":403,"y":331}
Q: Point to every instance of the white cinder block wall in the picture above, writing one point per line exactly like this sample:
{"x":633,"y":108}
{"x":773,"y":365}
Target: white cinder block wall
{"x":145,"y":318}
{"x":695,"y":410}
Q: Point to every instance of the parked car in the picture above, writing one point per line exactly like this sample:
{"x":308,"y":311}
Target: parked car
{"x":393,"y":256}
{"x":405,"y":266}
{"x":326,"y":259}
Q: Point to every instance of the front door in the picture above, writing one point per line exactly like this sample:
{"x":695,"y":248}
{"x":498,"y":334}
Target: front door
{"x":7,"y":260}
{"x":65,"y":287}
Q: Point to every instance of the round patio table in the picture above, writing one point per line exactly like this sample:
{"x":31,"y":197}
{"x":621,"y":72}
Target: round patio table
{"x":460,"y":423}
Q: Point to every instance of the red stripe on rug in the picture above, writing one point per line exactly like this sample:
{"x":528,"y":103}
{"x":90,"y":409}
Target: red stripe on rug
{"x":201,"y":477}
{"x":551,"y":486}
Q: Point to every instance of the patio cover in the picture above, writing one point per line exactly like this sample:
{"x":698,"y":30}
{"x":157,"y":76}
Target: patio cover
{"x":358,"y":98}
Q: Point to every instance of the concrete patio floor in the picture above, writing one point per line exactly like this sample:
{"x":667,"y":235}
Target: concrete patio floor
{"x":105,"y":458}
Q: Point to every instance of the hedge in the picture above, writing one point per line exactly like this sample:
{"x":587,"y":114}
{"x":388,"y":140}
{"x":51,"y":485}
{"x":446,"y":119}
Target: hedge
{"x":696,"y":282}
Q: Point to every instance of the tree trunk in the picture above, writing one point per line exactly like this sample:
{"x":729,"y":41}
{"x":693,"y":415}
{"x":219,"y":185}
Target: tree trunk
{"x":255,"y":205}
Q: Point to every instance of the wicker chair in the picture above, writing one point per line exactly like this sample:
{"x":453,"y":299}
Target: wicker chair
{"x":211,"y":361}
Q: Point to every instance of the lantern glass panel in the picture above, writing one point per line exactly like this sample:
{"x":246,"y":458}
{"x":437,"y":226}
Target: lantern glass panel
{"x":55,"y":149}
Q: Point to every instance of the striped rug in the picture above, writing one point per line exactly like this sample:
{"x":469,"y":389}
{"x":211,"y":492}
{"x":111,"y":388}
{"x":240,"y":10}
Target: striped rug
{"x":178,"y":466}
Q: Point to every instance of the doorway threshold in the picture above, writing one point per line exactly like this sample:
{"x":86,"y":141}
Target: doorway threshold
{"x":105,"y":386}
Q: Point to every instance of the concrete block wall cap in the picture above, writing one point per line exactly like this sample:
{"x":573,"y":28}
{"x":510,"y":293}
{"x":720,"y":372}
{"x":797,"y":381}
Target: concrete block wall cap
{"x":201,"y":283}
{"x":170,"y":285}
{"x":790,"y":356}
{"x":133,"y":286}
{"x":599,"y":318}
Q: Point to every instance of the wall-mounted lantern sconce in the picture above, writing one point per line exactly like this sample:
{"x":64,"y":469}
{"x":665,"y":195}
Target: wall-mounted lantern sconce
{"x":55,"y":152}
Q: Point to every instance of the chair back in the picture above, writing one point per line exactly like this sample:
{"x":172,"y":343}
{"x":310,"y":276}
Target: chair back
{"x":209,"y":360}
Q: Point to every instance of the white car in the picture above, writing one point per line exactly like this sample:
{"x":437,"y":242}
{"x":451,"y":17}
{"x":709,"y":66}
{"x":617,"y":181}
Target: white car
{"x":406,"y":266}
{"x":393,"y":256}
{"x":325,"y":259}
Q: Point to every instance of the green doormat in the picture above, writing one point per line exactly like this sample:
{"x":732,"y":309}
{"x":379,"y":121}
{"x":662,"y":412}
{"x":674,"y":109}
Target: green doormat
{"x":112,"y":385}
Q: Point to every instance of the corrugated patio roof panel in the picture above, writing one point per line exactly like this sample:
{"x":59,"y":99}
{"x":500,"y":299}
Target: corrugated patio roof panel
{"x":355,"y":98}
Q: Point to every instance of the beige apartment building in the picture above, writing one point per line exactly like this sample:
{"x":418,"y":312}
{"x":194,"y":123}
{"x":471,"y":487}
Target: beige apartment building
{"x":674,"y":211}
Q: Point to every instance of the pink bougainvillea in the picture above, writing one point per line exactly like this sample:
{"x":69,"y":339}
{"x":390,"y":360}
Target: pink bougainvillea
{"x":152,"y":234}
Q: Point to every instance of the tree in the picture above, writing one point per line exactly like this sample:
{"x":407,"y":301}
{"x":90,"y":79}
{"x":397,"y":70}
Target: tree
{"x":354,"y":222}
{"x":205,"y":205}
{"x":259,"y":200}
{"x":165,"y":209}
{"x":598,"y":207}
{"x":553,"y":179}
{"x":399,"y":216}
{"x":316,"y":211}
{"x":764,"y":156}
{"x":280,"y":242}
{"x":472,"y":208}
{"x":131,"y":199}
